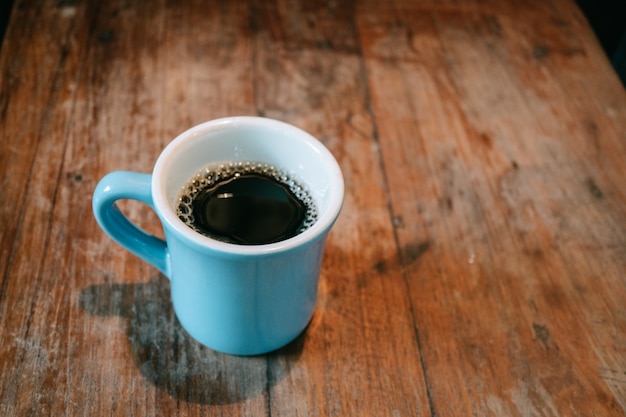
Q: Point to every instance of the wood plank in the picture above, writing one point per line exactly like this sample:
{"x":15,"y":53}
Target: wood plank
{"x":503,"y":194}
{"x":29,"y":135}
{"x":93,"y":331}
{"x":35,"y":113}
{"x":360,"y":356}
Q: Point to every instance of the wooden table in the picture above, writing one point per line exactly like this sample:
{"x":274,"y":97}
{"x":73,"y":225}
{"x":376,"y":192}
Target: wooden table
{"x":478,"y":267}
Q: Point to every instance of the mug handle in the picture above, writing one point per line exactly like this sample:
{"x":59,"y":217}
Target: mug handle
{"x":120,"y":185}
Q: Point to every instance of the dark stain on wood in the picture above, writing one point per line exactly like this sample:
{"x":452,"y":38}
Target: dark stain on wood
{"x":540,"y":52}
{"x":66,"y":3}
{"x":542,"y":333}
{"x":74,"y":176}
{"x":398,"y":222}
{"x":106,"y":36}
{"x":381,"y":266}
{"x":413,"y":252}
{"x":594,"y":189}
{"x":485,"y":139}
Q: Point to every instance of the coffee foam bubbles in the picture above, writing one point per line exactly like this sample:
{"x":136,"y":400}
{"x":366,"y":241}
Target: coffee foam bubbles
{"x":213,"y":174}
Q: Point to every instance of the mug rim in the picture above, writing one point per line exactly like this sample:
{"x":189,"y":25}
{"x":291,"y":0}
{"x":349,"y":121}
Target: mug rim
{"x":318,"y":229}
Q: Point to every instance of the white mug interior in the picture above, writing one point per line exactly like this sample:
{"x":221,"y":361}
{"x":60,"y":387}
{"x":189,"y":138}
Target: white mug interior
{"x":256,"y":139}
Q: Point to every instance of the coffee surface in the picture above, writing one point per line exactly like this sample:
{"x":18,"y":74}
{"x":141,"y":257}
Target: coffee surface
{"x":246,"y":203}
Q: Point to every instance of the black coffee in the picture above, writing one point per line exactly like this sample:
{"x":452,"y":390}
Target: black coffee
{"x":247,"y":203}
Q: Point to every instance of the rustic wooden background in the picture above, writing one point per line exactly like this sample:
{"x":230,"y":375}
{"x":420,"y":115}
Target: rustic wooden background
{"x":478,"y":267}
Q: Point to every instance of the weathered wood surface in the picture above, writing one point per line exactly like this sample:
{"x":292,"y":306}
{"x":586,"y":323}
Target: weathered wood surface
{"x":478,"y":267}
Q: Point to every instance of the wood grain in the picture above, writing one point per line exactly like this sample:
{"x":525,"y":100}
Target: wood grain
{"x":505,"y":193}
{"x":478,"y":266}
{"x":353,"y":342}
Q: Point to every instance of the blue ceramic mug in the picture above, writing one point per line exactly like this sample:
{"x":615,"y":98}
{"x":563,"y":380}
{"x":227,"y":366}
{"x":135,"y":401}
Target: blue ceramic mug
{"x":237,"y":299}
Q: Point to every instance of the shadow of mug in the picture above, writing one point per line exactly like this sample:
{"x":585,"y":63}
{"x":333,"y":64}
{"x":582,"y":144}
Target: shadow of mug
{"x":171,"y":359}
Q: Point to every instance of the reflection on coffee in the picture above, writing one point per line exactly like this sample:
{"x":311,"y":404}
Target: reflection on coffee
{"x":247,"y":203}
